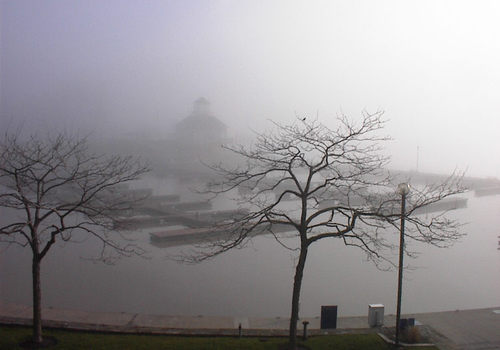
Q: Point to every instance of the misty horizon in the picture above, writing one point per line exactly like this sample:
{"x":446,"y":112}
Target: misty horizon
{"x":133,"y":70}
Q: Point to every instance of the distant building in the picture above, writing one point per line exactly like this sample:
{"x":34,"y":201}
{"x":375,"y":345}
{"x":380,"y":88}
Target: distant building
{"x":197,"y":139}
{"x":201,"y":128}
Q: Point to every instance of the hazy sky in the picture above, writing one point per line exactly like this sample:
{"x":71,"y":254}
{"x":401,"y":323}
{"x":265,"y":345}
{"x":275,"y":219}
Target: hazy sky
{"x":127,"y":66}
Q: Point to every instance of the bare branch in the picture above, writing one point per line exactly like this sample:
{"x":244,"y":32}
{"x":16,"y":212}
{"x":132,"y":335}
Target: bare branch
{"x":53,"y":183}
{"x":337,"y":178}
{"x":318,"y":183}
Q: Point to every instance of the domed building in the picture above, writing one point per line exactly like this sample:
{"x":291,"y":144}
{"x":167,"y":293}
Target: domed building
{"x":201,"y":127}
{"x":198,"y":139}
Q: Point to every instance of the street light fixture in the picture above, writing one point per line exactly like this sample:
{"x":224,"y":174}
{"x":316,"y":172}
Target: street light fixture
{"x":403,"y":190}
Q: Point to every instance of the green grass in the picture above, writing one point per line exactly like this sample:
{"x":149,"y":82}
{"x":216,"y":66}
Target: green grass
{"x":10,"y":337}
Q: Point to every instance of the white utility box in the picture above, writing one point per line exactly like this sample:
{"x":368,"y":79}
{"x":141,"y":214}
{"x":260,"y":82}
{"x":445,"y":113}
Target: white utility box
{"x":375,"y":315}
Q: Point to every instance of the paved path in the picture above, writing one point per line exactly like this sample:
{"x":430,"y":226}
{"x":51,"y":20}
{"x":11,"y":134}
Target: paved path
{"x":464,"y":329}
{"x":455,"y":330}
{"x":129,"y":322}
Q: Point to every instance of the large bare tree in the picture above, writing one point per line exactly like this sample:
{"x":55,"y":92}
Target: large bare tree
{"x":326,"y":183}
{"x":54,"y":187}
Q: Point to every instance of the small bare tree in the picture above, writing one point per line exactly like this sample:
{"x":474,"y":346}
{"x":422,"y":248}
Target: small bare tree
{"x":325,"y":183}
{"x":53,"y":188}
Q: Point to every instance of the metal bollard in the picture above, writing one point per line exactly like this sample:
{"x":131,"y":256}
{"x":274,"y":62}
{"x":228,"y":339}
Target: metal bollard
{"x":304,"y":336}
{"x":239,"y":330}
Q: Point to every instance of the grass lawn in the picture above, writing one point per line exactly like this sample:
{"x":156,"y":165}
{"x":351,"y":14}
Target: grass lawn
{"x":10,"y":337}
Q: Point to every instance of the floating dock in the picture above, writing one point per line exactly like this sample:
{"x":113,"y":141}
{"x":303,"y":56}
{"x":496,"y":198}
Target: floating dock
{"x":443,"y":205}
{"x":150,"y":217}
{"x":491,"y":191}
{"x":183,"y":233}
{"x":187,"y":235}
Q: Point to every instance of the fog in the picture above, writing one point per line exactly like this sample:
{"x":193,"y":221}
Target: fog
{"x":133,"y":69}
{"x":131,"y":73}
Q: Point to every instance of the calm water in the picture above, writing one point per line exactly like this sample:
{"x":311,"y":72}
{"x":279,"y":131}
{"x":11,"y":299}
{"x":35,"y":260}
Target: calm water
{"x":257,"y":280}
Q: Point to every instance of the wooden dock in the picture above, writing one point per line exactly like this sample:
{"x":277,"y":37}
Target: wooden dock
{"x":194,"y":233}
{"x":182,"y":236}
{"x":491,"y":191}
{"x":443,"y":205}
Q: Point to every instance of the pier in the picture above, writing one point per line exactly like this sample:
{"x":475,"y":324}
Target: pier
{"x":181,"y":236}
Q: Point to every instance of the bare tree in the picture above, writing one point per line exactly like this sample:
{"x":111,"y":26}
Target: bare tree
{"x":55,"y":187}
{"x":325,"y":183}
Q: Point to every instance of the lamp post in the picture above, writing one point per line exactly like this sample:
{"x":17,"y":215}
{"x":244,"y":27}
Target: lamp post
{"x":403,"y":190}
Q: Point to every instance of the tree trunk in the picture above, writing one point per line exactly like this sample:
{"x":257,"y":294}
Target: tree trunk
{"x":37,"y":301}
{"x":297,"y":283}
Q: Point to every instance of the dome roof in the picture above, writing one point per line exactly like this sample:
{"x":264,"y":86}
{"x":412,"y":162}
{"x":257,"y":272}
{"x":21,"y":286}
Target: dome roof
{"x":200,"y":121}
